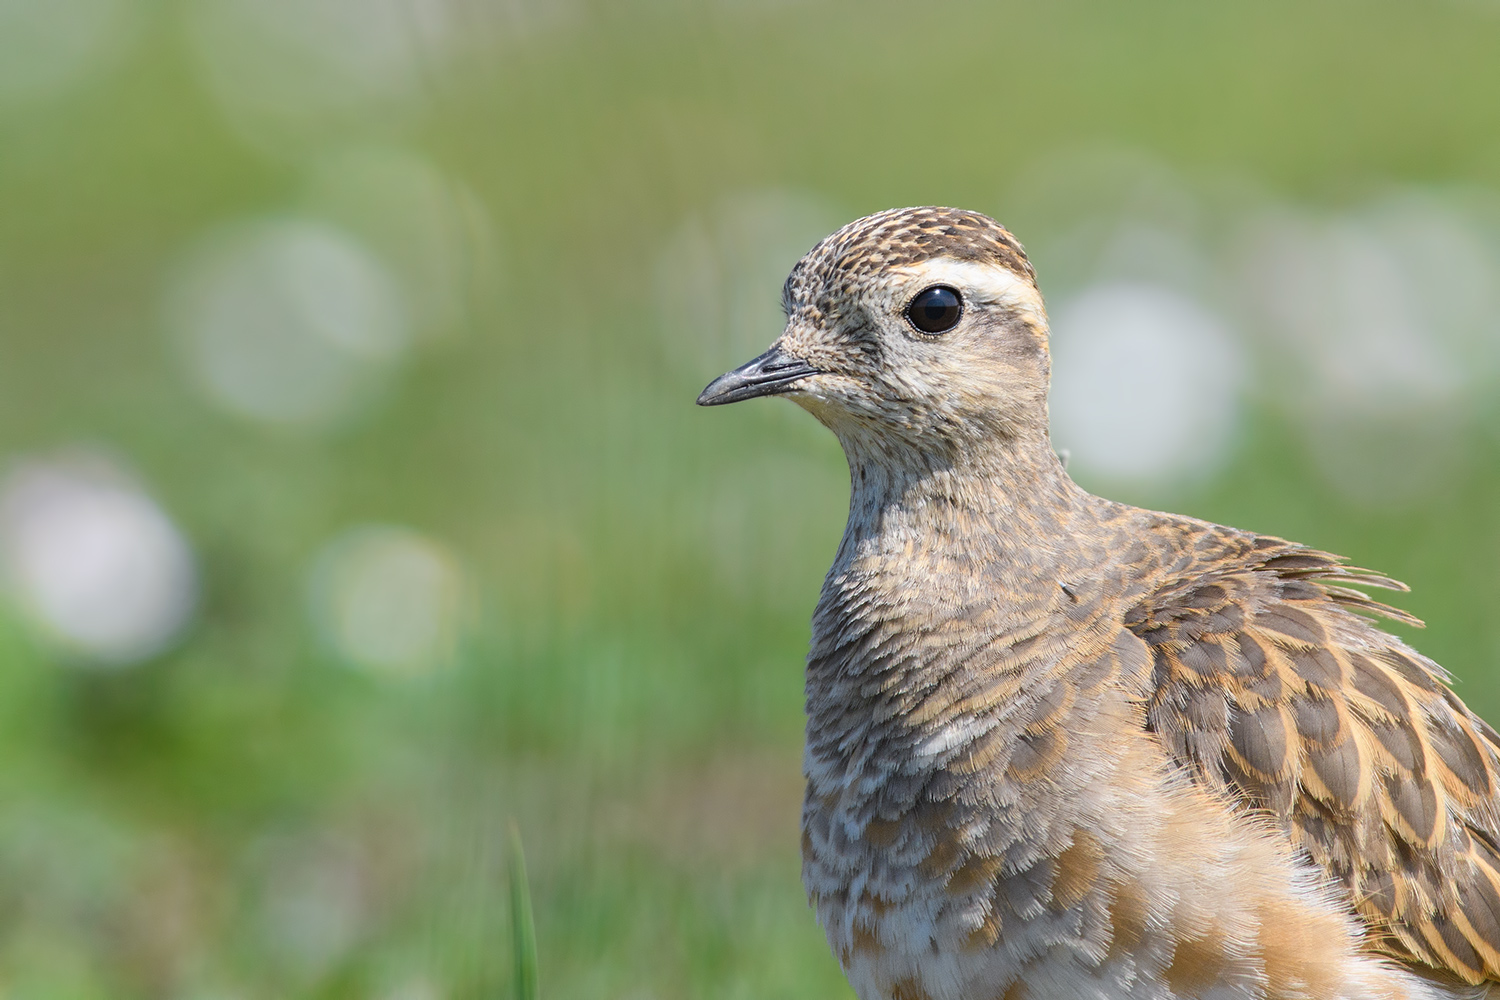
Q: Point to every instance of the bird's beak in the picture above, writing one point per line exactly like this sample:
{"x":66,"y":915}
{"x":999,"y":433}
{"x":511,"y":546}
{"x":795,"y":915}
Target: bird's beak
{"x":773,"y":372}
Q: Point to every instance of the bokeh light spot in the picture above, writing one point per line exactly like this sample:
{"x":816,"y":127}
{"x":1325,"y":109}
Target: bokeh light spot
{"x":314,"y":897}
{"x":93,"y":560}
{"x":48,"y":46}
{"x":288,"y":321}
{"x":720,"y":275}
{"x":431,"y":232}
{"x":1146,"y":383}
{"x":387,"y":599}
{"x":1388,"y":319}
{"x":285,"y":70}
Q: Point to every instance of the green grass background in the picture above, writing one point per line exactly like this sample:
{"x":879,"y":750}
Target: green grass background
{"x":630,"y":689}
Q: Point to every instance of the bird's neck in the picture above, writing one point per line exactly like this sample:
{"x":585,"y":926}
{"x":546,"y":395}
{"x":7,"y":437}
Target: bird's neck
{"x":994,"y":501}
{"x":938,"y":544}
{"x":945,"y":568}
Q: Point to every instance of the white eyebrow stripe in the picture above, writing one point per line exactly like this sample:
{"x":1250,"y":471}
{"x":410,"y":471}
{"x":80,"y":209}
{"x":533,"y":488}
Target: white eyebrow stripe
{"x":988,"y":283}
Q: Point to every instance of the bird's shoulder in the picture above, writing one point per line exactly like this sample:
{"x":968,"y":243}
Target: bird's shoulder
{"x":1272,"y":685}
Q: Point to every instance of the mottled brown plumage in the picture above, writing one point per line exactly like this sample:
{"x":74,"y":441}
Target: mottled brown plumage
{"x":1059,"y":746}
{"x":1276,"y":694}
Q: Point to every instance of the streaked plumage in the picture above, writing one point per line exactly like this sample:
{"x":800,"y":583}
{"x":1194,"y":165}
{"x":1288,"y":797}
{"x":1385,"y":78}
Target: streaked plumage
{"x":1064,"y":747}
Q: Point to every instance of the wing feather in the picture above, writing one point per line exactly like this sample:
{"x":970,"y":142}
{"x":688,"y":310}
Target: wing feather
{"x":1273,"y":686}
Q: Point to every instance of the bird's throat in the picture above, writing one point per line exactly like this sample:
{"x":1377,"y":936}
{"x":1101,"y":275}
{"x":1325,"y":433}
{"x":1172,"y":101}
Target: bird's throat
{"x":1012,"y":494}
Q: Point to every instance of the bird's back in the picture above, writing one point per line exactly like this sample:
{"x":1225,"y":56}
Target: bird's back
{"x":1098,"y":749}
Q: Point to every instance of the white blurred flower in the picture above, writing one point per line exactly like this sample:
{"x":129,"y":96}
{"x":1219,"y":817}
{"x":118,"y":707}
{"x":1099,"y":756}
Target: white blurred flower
{"x":48,"y":46}
{"x":288,"y":321}
{"x":284,"y":70}
{"x":68,"y":859}
{"x":1389,"y":323}
{"x":315,"y":897}
{"x":1146,"y":383}
{"x":417,"y":987}
{"x":1395,"y":308}
{"x":719,"y":277}
{"x":1093,"y":214}
{"x":387,"y":599}
{"x":93,"y":560}
{"x":431,"y":232}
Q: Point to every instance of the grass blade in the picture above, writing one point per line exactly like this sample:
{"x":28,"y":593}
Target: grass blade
{"x":522,"y":927}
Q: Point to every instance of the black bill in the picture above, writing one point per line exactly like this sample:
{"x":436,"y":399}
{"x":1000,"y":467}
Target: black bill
{"x":773,"y":372}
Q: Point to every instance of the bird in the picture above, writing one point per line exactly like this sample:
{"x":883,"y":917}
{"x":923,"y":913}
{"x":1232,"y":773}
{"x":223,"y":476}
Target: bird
{"x":1063,"y":747}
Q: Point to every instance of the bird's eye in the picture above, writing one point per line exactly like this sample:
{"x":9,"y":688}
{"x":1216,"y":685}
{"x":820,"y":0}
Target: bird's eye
{"x":936,"y":309}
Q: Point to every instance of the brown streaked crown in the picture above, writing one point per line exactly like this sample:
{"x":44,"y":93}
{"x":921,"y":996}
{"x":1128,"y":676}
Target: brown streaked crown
{"x":902,"y":236}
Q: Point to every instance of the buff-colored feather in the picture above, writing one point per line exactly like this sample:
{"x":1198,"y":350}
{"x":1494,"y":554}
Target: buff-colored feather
{"x":1061,"y":747}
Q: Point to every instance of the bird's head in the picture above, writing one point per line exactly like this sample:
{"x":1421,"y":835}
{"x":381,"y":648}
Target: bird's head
{"x":917,"y":328}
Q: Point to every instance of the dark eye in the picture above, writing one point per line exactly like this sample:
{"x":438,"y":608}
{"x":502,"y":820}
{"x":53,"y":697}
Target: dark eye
{"x":936,"y":309}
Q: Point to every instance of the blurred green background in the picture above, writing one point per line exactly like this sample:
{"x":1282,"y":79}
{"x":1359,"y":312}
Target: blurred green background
{"x":354,"y":502}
